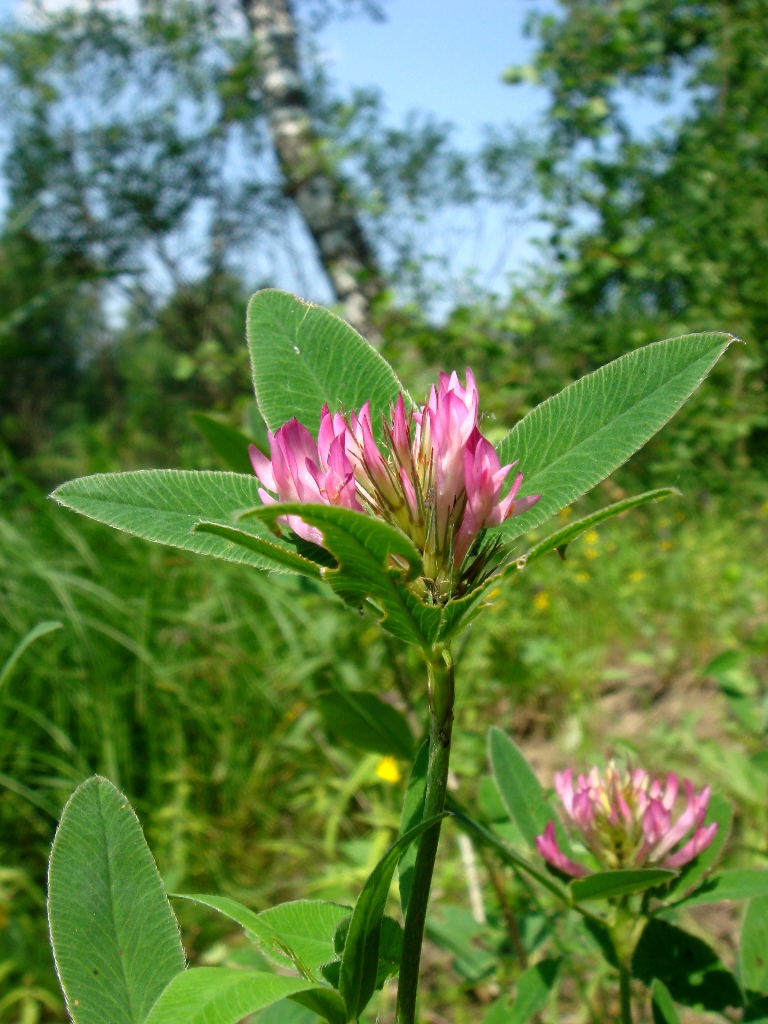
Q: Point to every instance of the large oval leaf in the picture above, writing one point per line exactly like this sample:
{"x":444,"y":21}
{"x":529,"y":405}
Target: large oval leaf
{"x":571,"y":442}
{"x":114,"y":936}
{"x":164,"y":505}
{"x":303,"y":356}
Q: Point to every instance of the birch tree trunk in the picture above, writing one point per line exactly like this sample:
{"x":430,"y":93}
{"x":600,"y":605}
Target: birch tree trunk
{"x":319,"y":193}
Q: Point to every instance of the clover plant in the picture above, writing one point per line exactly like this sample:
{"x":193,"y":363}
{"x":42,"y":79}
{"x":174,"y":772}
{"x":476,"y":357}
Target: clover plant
{"x":405,"y":509}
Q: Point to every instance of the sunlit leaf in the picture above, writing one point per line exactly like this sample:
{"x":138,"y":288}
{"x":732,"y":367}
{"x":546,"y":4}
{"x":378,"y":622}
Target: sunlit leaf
{"x":364,"y":548}
{"x":298,"y":934}
{"x":575,"y":439}
{"x":662,"y":1006}
{"x":737,"y":884}
{"x":753,"y":950}
{"x":114,"y":935}
{"x":164,"y":505}
{"x":303,"y":356}
{"x":219,"y":995}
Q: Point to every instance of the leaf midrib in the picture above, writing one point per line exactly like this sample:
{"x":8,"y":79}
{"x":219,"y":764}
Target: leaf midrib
{"x":112,"y":906}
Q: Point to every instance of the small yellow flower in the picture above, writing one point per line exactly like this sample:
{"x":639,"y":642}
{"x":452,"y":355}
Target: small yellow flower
{"x":541,"y":601}
{"x":592,"y":537}
{"x":591,"y":553}
{"x":636,"y":575}
{"x":582,"y":577}
{"x":387,"y":770}
{"x":666,"y":545}
{"x":566,"y":513}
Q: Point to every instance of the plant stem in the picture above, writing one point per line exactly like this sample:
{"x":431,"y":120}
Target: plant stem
{"x":625,"y":995}
{"x":440,"y":668}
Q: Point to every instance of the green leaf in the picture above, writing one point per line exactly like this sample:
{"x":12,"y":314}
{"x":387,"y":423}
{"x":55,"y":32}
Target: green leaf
{"x":412,"y":813}
{"x":303,"y":356}
{"x":738,"y":884}
{"x":606,"y":884}
{"x":356,"y":982}
{"x":218,"y":995}
{"x":363,"y":547}
{"x":533,"y":989}
{"x":115,"y":938}
{"x":366,"y":721}
{"x":571,"y":442}
{"x":720,"y":810}
{"x":297,"y":934}
{"x":287,"y":1012}
{"x":521,"y":791}
{"x":690,"y":969}
{"x":284,"y":556}
{"x":753,"y":950}
{"x":560,"y":539}
{"x":41,"y":629}
{"x":662,"y":1007}
{"x":229,"y":444}
{"x":164,"y":505}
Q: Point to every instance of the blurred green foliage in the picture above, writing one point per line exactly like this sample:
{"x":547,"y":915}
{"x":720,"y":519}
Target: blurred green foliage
{"x":192,"y":684}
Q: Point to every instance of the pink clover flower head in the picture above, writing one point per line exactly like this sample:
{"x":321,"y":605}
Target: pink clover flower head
{"x":433,"y":475}
{"x":627,"y":820}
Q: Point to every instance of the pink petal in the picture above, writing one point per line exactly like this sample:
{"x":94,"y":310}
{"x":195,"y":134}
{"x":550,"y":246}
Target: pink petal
{"x":699,"y":841}
{"x":551,"y":852}
{"x":262,"y":467}
{"x":564,"y":789}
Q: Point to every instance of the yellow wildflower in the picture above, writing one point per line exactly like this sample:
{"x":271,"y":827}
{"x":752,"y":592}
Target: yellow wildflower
{"x":388,"y":770}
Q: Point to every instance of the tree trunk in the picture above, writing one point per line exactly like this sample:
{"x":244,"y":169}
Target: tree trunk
{"x":318,"y":192}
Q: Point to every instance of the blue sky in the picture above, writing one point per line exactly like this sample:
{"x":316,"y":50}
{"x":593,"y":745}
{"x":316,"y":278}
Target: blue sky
{"x":446,"y":56}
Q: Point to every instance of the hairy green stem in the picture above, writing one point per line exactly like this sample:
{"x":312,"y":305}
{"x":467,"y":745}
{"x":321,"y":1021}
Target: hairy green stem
{"x":440,"y":668}
{"x":625,"y":995}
